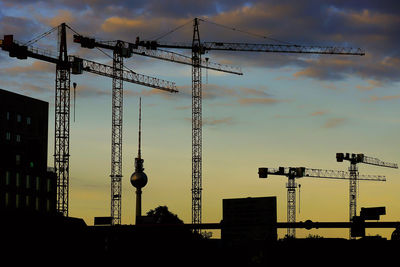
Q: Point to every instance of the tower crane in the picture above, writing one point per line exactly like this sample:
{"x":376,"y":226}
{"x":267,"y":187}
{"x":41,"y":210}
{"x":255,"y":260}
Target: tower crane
{"x":65,"y":65}
{"x":354,"y":159}
{"x":299,"y":172}
{"x":198,"y":49}
{"x":121,"y":50}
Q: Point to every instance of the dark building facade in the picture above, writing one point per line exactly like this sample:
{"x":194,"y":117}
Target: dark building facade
{"x":249,"y":219}
{"x":25,"y":182}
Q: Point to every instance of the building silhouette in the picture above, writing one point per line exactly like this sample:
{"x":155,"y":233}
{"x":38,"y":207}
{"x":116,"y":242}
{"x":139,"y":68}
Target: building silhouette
{"x":26,"y":184}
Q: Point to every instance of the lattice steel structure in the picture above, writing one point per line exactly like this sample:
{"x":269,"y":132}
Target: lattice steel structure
{"x":62,"y":123}
{"x":65,"y":66}
{"x":354,"y":159}
{"x":291,"y":203}
{"x":353,"y":170}
{"x":196,"y":127}
{"x":299,"y":172}
{"x":116,"y":136}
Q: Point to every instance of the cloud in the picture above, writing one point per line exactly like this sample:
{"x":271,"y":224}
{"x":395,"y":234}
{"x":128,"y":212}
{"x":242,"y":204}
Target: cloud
{"x":21,"y":28}
{"x":383,"y":98}
{"x":89,"y":91}
{"x":372,"y":84}
{"x":259,"y":101}
{"x":212,"y":121}
{"x":61,"y":16}
{"x":327,"y":68}
{"x":183,"y":107}
{"x":334,"y":122}
{"x":251,"y":91}
{"x":319,"y":113}
{"x":371,"y":25}
{"x":26,"y":87}
{"x":330,"y":86}
{"x":36,"y":68}
{"x":151,"y":92}
{"x":114,"y":24}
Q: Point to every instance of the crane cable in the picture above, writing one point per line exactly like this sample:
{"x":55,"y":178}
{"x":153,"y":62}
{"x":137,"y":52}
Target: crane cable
{"x":299,"y":197}
{"x":171,"y":31}
{"x":101,"y":50}
{"x":246,"y":32}
{"x":36,"y":39}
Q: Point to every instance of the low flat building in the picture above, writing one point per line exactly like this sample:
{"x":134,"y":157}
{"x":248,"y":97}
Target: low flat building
{"x":250,"y":219}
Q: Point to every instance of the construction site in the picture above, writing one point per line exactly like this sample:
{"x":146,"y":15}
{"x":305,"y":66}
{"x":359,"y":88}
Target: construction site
{"x":335,"y":201}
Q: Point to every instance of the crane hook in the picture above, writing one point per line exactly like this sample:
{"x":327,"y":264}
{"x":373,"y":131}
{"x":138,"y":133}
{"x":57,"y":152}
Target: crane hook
{"x":74,"y":85}
{"x":299,"y":197}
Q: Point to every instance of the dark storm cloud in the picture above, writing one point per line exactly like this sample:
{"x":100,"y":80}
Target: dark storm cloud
{"x":20,"y":27}
{"x":371,"y":25}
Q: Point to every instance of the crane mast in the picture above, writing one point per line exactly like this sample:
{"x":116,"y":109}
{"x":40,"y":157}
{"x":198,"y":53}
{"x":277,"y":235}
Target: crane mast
{"x":299,"y":172}
{"x":354,"y":159}
{"x":116,"y":135}
{"x":62,"y":123}
{"x":196,"y":127}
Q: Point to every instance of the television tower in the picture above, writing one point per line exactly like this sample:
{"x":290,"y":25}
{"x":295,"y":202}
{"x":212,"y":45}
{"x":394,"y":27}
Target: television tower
{"x":139,"y":178}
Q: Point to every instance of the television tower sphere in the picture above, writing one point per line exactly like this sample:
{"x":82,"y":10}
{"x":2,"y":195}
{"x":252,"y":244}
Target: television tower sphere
{"x":139,"y":179}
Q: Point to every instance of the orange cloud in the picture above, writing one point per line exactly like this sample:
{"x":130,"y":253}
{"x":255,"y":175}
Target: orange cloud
{"x":265,"y":100}
{"x":214,"y":121}
{"x":334,"y":122}
{"x":319,"y":113}
{"x":113,"y":24}
{"x":383,"y":98}
{"x":61,"y":17}
{"x":373,"y":18}
{"x":371,"y":85}
{"x":183,"y":107}
{"x":251,"y":91}
{"x":36,"y":67}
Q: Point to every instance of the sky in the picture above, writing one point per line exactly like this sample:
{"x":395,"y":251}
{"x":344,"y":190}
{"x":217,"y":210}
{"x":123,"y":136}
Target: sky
{"x":285,"y":110}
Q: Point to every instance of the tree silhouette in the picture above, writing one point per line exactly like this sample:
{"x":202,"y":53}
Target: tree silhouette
{"x":161,"y":215}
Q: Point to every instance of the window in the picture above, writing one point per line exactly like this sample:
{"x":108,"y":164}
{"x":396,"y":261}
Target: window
{"x":48,"y":185}
{"x":18,"y":179}
{"x":18,"y":138}
{"x":8,"y":136}
{"x":7,"y":200}
{"x":37,"y":206}
{"x":48,"y":205}
{"x":27,"y":201}
{"x":8,"y":180}
{"x":17,"y":201}
{"x":8,"y":115}
{"x":19,"y":117}
{"x":28,"y":120}
{"x":37,"y":183}
{"x":17,"y":159}
{"x":28,"y":182}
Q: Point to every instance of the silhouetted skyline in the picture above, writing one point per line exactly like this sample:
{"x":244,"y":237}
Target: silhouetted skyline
{"x":286,"y":110}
